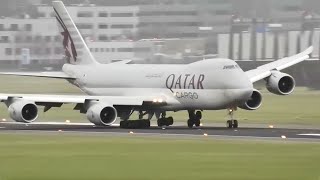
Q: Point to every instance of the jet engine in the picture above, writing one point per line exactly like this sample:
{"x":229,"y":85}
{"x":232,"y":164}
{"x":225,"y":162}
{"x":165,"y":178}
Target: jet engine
{"x":280,"y":83}
{"x":23,"y":111}
{"x":102,"y":114}
{"x":254,"y":102}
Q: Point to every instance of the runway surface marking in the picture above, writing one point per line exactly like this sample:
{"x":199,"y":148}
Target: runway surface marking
{"x":309,"y":135}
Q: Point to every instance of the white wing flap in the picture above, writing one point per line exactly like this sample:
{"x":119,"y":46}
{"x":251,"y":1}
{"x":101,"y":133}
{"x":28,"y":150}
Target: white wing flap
{"x":265,"y":70}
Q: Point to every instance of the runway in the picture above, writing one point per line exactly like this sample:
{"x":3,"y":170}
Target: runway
{"x":222,"y":132}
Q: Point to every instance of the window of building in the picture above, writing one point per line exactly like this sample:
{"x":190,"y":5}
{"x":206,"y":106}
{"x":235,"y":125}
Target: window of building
{"x":41,"y":14}
{"x":84,"y":26}
{"x":28,"y":27}
{"x":125,"y":50}
{"x":103,"y":26}
{"x":167,"y":13}
{"x":121,"y":14}
{"x":38,"y":38}
{"x":85,"y":14}
{"x":101,"y":49}
{"x":142,"y":49}
{"x":37,"y":51}
{"x":103,"y":14}
{"x":18,"y":39}
{"x":4,"y":39}
{"x":96,"y":49}
{"x":91,"y":49}
{"x":8,"y":51}
{"x":57,"y":38}
{"x":121,"y":26}
{"x":222,"y":12}
{"x":180,"y":13}
{"x":18,"y":51}
{"x":48,"y":51}
{"x":103,"y":38}
{"x":47,"y":38}
{"x":58,"y":50}
{"x":28,"y":39}
{"x":1,"y":27}
{"x":291,"y":8}
{"x":14,"y":27}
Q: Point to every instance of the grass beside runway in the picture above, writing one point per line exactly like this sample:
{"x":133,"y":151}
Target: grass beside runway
{"x":301,"y":107}
{"x":35,"y":157}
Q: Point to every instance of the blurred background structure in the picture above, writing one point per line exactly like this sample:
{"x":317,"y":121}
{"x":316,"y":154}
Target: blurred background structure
{"x":162,"y":31}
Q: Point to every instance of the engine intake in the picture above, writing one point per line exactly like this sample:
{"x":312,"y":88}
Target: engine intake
{"x":280,"y":83}
{"x":101,"y":114}
{"x":254,"y":102}
{"x":23,"y":111}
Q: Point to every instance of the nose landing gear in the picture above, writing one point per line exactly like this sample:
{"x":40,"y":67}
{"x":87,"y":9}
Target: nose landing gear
{"x":232,"y":123}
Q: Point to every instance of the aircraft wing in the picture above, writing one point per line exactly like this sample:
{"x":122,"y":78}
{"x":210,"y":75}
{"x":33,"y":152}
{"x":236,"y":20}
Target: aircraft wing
{"x":50,"y":74}
{"x":58,"y":100}
{"x":264,"y":71}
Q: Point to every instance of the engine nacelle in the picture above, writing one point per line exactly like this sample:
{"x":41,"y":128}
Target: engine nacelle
{"x":101,"y":114}
{"x":254,"y":102}
{"x":280,"y":83}
{"x":23,"y":111}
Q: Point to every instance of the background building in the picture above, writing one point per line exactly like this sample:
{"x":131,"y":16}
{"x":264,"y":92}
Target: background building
{"x":144,"y":29}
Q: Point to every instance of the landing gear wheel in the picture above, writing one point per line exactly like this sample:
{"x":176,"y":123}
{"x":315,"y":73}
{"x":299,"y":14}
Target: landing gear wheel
{"x":229,"y":124}
{"x":169,"y":121}
{"x":160,"y":122}
{"x":165,"y":121}
{"x":235,"y":124}
{"x":197,"y":122}
{"x":190,"y":123}
{"x":123,"y":124}
{"x":135,"y":124}
{"x":232,"y":124}
{"x":198,"y":115}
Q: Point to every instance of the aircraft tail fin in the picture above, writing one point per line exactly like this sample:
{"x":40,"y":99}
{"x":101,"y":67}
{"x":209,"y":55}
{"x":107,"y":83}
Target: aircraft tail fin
{"x":76,"y":50}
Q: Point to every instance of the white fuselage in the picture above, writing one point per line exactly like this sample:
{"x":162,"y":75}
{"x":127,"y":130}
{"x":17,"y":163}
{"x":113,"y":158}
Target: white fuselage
{"x":209,"y":84}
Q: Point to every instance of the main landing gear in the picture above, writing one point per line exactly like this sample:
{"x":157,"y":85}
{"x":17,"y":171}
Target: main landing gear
{"x":194,"y":118}
{"x":164,"y":121}
{"x":141,"y":123}
{"x":232,"y":123}
{"x":137,"y":124}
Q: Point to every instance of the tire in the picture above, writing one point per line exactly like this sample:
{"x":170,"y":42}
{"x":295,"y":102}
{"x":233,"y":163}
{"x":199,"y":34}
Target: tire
{"x":235,"y":124}
{"x":169,"y":121}
{"x":124,"y":124}
{"x":198,"y":115}
{"x":160,"y":122}
{"x":197,"y":123}
{"x":147,"y":124}
{"x":229,"y":124}
{"x":190,"y":123}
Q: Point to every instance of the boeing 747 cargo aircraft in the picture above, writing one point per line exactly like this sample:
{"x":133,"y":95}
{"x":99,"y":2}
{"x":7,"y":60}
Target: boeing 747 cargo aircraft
{"x":119,"y":89}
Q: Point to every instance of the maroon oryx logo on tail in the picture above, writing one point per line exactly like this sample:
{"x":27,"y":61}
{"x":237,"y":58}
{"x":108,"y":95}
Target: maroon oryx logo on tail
{"x":70,"y":50}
